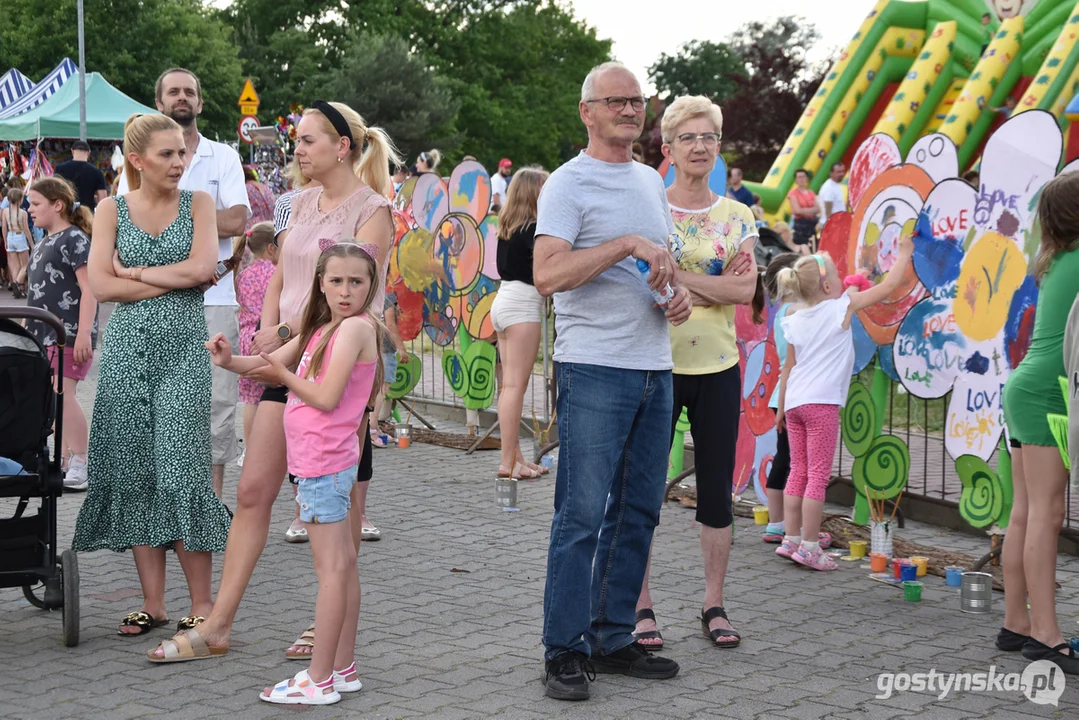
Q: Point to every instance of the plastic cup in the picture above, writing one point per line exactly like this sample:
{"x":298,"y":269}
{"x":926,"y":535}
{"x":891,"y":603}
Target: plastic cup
{"x":760,"y":515}
{"x":547,"y":461}
{"x":912,"y":589}
{"x":953,"y":576}
{"x":878,"y":562}
{"x":857,"y":548}
{"x":922,"y":563}
{"x":404,"y":435}
{"x":909,"y":572}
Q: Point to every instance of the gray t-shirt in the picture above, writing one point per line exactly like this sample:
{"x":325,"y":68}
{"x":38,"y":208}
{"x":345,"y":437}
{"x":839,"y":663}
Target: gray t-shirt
{"x":52,"y":285}
{"x":611,"y":321}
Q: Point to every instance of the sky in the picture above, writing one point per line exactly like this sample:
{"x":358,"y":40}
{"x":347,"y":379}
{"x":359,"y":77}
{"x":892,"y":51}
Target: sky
{"x":640,"y":35}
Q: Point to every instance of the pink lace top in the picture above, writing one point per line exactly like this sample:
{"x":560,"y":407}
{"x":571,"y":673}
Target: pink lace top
{"x":300,"y":252}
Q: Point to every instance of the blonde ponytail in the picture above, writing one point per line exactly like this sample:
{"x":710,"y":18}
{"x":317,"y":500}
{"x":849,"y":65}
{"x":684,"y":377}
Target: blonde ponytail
{"x":788,"y":284}
{"x":138,"y":134}
{"x":374,"y":166}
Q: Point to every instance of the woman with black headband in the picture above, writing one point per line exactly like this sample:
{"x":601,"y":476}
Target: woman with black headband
{"x":427,"y":162}
{"x":350,"y":163}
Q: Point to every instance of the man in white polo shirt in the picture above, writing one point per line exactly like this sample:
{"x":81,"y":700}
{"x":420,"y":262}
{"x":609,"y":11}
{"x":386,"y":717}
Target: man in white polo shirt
{"x":215,"y":168}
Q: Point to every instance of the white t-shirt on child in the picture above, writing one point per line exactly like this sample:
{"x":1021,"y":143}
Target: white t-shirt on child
{"x":824,"y":352}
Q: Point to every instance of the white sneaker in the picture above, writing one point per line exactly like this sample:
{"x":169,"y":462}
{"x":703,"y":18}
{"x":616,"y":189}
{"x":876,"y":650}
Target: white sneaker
{"x":297,"y":532}
{"x":75,"y":477}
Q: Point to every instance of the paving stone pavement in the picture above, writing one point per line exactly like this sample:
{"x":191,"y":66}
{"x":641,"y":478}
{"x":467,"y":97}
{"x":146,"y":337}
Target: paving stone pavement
{"x":452,"y":613}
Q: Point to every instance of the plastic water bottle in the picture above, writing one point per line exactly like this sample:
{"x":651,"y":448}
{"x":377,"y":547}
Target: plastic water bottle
{"x":662,"y":297}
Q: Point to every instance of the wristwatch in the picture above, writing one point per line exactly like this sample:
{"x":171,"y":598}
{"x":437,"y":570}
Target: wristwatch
{"x":284,"y":331}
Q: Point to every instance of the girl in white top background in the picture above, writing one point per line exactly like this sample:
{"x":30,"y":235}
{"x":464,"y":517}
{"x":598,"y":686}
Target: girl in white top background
{"x":813,"y":386}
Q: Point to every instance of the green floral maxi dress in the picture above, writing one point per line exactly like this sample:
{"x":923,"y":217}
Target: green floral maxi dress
{"x":149,"y":459}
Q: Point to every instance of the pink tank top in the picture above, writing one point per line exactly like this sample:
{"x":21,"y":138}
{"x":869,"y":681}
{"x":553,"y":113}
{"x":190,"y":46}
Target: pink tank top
{"x":319,"y":442}
{"x":307,"y":227}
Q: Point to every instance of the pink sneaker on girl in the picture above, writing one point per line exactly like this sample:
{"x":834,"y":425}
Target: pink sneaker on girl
{"x":813,"y":559}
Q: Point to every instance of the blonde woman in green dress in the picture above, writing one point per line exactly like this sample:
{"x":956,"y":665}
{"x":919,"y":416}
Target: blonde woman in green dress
{"x":149,"y":457}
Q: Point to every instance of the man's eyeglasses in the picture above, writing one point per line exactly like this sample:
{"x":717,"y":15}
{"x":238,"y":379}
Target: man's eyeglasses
{"x":688,"y":140}
{"x":616,"y":103}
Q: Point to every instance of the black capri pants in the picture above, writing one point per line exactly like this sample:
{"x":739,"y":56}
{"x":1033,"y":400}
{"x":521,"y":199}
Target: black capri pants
{"x":712,"y":403}
{"x":781,"y":463}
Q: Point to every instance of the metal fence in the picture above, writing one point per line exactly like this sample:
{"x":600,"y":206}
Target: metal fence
{"x":920,"y":423}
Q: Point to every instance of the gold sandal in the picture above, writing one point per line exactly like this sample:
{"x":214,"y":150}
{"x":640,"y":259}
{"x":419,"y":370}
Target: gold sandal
{"x":306,"y":639}
{"x":188,"y":646}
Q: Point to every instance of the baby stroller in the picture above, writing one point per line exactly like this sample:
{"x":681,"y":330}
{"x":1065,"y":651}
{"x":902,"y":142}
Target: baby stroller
{"x":28,"y":406}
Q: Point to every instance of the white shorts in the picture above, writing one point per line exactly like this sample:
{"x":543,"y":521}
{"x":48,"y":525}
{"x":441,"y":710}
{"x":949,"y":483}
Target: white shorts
{"x":516,"y":302}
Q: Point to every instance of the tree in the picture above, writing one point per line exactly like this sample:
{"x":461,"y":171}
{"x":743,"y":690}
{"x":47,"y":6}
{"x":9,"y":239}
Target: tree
{"x":700,"y":67}
{"x":130,"y":42}
{"x":763,"y":98}
{"x":394,"y":89}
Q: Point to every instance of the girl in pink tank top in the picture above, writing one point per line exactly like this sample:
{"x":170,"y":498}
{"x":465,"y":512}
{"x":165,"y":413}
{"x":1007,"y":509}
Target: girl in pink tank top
{"x":338,"y":372}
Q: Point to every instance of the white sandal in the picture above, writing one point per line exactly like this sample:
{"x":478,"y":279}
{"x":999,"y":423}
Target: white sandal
{"x":302,"y":691}
{"x":341,"y":685}
{"x":371,"y":533}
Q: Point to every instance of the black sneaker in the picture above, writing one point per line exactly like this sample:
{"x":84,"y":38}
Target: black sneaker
{"x":636,"y":661}
{"x":567,"y":676}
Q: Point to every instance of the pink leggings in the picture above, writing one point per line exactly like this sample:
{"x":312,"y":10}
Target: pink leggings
{"x":813,"y":431}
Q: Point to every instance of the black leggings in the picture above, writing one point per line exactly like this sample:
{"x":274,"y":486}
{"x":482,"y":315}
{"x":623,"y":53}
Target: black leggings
{"x":712,"y":403}
{"x":781,"y":463}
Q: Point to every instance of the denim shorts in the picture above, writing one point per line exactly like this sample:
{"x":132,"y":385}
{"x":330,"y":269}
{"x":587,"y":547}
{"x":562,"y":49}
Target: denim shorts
{"x":325,"y":499}
{"x":389,"y":367}
{"x":16,"y":242}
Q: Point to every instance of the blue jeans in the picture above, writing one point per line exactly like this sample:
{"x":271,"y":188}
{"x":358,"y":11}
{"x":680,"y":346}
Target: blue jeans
{"x":614,"y":439}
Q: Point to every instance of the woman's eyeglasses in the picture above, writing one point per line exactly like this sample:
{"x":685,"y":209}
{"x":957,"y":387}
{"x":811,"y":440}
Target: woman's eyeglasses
{"x":689,"y":140}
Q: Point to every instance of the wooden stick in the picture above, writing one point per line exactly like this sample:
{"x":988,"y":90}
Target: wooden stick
{"x":409,"y":413}
{"x":895,"y":505}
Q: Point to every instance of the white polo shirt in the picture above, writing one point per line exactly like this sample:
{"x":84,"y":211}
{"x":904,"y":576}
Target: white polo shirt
{"x":216,"y":169}
{"x":831,"y":190}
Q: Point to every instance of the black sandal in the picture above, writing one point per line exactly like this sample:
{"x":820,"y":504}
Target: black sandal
{"x":189,"y":622}
{"x":1069,"y":662}
{"x":648,"y":614}
{"x":711,"y":614}
{"x":1009,"y":641}
{"x":145,"y":622}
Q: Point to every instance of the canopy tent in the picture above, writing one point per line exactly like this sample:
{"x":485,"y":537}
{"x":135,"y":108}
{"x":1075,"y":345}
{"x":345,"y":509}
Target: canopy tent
{"x":107,"y":109}
{"x":42,"y":91}
{"x":13,"y":85}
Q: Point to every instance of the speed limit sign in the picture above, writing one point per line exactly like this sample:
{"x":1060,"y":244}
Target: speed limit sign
{"x":247,"y":124}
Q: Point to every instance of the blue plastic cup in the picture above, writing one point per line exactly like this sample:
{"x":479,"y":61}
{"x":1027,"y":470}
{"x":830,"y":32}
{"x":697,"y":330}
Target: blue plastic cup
{"x":953,"y":576}
{"x":547,"y":461}
{"x":909,"y":573}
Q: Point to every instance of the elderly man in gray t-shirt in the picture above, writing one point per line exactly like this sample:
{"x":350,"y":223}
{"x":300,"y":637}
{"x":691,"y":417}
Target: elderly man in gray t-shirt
{"x":598,"y":214}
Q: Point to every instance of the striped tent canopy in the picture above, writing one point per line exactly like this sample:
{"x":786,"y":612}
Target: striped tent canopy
{"x":42,"y":91}
{"x":13,"y":85}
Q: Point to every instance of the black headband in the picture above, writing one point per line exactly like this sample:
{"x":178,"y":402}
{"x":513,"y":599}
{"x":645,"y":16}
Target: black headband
{"x":336,"y":119}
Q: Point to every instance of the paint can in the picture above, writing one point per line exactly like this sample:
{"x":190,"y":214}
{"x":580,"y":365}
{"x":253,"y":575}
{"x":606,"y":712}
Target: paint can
{"x":403,"y":433}
{"x":953,"y":576}
{"x":878,"y":562}
{"x":857,"y":548}
{"x":976,"y":593}
{"x":881,"y":538}
{"x":922,"y":563}
{"x":909,"y":573}
{"x":897,"y":567}
{"x":760,"y":515}
{"x":506,"y":493}
{"x":912,"y":590}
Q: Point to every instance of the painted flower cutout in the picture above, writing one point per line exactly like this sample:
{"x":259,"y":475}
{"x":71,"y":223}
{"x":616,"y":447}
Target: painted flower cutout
{"x":974,"y":253}
{"x":886,"y":195}
{"x":442,"y":266}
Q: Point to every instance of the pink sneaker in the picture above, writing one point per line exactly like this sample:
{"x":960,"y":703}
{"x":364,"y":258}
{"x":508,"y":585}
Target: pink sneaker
{"x":814,"y":560}
{"x":786,"y":550}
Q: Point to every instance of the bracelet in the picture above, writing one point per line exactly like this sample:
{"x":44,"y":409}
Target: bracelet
{"x":136,"y":274}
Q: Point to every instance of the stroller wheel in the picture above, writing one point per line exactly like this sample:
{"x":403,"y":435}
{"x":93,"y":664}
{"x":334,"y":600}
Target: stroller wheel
{"x":69,"y":569}
{"x":35,"y":594}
